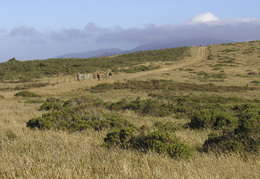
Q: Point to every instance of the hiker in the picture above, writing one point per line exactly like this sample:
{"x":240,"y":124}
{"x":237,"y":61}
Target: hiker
{"x":110,"y":75}
{"x":98,"y":76}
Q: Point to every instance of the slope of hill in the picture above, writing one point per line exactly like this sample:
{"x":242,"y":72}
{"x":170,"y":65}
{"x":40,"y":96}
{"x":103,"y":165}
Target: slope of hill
{"x":189,"y":118}
{"x":27,"y":70}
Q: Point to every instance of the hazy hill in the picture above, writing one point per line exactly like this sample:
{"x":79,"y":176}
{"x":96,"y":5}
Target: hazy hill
{"x":149,"y":46}
{"x":96,"y":53}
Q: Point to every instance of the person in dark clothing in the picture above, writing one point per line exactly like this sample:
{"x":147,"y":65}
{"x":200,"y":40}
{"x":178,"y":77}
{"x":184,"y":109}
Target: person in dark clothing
{"x":110,"y":75}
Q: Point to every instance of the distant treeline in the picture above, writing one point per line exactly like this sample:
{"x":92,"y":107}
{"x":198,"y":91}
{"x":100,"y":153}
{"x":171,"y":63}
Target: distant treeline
{"x":28,"y":70}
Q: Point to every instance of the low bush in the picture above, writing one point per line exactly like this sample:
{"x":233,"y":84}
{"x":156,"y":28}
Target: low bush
{"x":249,"y":121}
{"x":58,"y":104}
{"x":27,"y":94}
{"x":52,"y":104}
{"x":212,"y":119}
{"x":103,"y":87}
{"x":77,"y":119}
{"x":157,"y":141}
{"x":40,"y":123}
{"x":150,"y":107}
{"x":166,"y":127}
{"x":119,"y":138}
{"x":144,"y":107}
{"x":244,"y":138}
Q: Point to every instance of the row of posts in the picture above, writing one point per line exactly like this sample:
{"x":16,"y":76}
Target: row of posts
{"x":82,"y":76}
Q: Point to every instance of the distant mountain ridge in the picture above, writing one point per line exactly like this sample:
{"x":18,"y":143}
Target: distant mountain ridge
{"x":96,"y":53}
{"x":149,"y":46}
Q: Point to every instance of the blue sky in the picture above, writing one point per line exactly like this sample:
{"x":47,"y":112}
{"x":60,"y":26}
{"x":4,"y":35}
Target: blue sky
{"x":41,"y":29}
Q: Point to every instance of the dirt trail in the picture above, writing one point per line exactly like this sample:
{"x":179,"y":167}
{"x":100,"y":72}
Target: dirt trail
{"x":195,"y":58}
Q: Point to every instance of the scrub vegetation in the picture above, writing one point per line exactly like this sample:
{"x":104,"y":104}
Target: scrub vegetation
{"x":25,"y":71}
{"x":191,"y":112}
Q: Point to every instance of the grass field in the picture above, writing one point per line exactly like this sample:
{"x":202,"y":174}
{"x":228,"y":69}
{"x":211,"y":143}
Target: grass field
{"x":34,"y":153}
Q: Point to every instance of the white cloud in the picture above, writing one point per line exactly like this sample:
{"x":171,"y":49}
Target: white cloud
{"x":204,"y":18}
{"x":205,"y":25}
{"x":22,"y":31}
{"x":69,"y":35}
{"x":91,"y":27}
{"x":26,"y":34}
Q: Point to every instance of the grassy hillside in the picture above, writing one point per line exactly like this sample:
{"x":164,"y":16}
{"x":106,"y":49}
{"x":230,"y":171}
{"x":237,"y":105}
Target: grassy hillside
{"x":29,"y":70}
{"x":196,"y":115}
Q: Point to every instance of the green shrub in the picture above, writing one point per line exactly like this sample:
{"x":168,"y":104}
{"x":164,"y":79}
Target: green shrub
{"x":144,"y":107}
{"x":230,"y":50}
{"x":249,"y":121}
{"x":111,"y":123}
{"x":41,"y":123}
{"x":163,"y":142}
{"x":241,"y":107}
{"x":27,"y":94}
{"x":222,"y":143}
{"x":167,"y":127}
{"x":179,"y":150}
{"x":256,"y":82}
{"x":103,"y":87}
{"x":232,"y":142}
{"x":184,"y":105}
{"x":77,"y":119}
{"x":213,"y":119}
{"x":158,"y":141}
{"x":120,"y":105}
{"x":244,"y":138}
{"x":120,"y":138}
{"x":52,"y":104}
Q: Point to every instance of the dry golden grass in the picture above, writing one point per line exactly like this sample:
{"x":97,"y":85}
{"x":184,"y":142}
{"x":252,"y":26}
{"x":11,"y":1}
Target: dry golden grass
{"x":26,"y":153}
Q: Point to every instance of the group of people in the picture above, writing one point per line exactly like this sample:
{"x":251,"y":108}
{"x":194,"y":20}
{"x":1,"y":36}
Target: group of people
{"x":109,"y":75}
